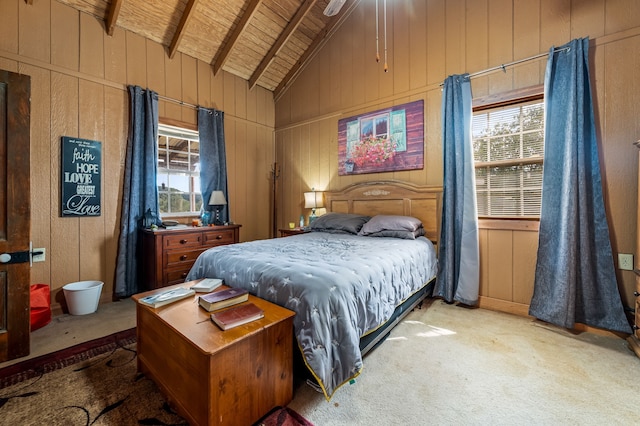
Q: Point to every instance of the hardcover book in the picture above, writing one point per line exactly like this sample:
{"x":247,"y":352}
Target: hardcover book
{"x":206,"y":285}
{"x":223,"y":298}
{"x":166,"y":297}
{"x":236,"y":316}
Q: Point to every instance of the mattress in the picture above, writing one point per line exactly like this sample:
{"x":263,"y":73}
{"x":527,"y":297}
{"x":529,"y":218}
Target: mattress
{"x":340,"y":286}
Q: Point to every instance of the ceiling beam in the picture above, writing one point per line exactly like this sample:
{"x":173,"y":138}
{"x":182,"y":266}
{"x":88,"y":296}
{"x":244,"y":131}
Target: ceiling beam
{"x":314,"y":47}
{"x":112,"y":16}
{"x":290,"y":28}
{"x":184,"y":20}
{"x":251,"y":9}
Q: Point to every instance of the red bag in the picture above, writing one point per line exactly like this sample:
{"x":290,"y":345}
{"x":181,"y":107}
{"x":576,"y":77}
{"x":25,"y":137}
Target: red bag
{"x":40,"y":306}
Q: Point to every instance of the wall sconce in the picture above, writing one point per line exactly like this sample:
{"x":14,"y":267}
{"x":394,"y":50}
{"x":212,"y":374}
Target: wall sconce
{"x":313,"y":200}
{"x":217,"y":200}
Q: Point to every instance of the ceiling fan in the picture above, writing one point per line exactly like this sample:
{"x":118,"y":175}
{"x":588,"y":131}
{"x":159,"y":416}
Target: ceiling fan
{"x":333,"y":7}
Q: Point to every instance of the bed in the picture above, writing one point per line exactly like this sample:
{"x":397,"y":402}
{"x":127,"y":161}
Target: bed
{"x":348,"y":288}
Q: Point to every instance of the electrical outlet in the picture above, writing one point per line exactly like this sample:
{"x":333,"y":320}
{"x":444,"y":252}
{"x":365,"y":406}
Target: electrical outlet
{"x":38,"y":257}
{"x":625,"y":261}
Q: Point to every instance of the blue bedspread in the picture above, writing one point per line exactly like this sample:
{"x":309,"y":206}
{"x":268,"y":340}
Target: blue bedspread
{"x":340,"y":286}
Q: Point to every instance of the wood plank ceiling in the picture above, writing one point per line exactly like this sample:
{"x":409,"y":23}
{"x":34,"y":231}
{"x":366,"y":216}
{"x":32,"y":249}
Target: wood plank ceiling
{"x":265,"y":42}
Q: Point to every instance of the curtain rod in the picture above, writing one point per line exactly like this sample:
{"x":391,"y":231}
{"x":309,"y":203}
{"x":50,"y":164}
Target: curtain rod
{"x":178,"y":102}
{"x":504,"y":66}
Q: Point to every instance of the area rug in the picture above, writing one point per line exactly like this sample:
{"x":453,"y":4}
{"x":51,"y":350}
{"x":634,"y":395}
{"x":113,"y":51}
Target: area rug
{"x":95,"y":383}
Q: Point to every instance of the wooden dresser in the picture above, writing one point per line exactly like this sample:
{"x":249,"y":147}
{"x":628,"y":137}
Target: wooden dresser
{"x":168,"y":254}
{"x":634,"y":339}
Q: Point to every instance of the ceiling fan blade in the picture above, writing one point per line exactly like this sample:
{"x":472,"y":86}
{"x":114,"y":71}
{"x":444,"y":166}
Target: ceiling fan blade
{"x":333,"y":8}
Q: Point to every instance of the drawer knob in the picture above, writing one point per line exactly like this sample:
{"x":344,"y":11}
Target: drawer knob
{"x":218,"y":237}
{"x":183,"y":257}
{"x":184,"y":274}
{"x":183,"y":241}
{"x":635,"y":293}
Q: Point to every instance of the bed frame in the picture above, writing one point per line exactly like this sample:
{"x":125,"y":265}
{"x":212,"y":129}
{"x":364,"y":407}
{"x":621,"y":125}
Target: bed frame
{"x":391,"y":198}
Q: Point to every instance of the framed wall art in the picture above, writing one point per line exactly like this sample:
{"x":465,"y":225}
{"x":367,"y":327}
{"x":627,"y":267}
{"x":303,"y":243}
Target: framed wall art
{"x":81,"y":173}
{"x":386,"y":140}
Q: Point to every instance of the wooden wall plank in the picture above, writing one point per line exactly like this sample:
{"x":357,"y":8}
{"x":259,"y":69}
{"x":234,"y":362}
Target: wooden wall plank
{"x":590,"y":21}
{"x":455,"y":49}
{"x":41,"y":198}
{"x":229,"y":93}
{"x":92,"y":47}
{"x":173,"y":86}
{"x":400,"y":49}
{"x":526,"y":43}
{"x":477,"y":40}
{"x":418,"y":43}
{"x":500,"y":31}
{"x":135,"y":48}
{"x":525,"y":251}
{"x":93,"y":259}
{"x":115,"y":56}
{"x":436,"y":67}
{"x":621,"y":15}
{"x":9,"y":26}
{"x":116,"y":106}
{"x":35,"y":44}
{"x":189,"y":92}
{"x":500,"y":264}
{"x":65,"y":231}
{"x":204,"y":84}
{"x":65,"y":30}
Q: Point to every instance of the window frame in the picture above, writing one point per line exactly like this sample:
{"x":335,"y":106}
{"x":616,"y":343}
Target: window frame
{"x":192,"y":130}
{"x":505,"y":99}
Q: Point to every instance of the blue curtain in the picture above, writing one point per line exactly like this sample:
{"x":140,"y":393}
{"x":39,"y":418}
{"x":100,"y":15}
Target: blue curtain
{"x":140,"y":191}
{"x":213,"y":157}
{"x":575,"y":278}
{"x":458,"y":251}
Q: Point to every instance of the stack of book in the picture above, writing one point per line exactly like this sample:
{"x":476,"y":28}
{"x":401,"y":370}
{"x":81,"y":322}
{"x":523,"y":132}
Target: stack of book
{"x":232,"y":317}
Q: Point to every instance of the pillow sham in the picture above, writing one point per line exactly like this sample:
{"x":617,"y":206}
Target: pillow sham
{"x":407,"y":235}
{"x":382,"y":222}
{"x":339,"y":223}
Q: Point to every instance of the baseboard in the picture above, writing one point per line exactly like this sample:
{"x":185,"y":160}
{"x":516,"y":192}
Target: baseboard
{"x":523,"y":310}
{"x":503,"y":306}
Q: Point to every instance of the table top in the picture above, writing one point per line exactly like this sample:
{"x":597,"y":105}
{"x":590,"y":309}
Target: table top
{"x":194,"y":323}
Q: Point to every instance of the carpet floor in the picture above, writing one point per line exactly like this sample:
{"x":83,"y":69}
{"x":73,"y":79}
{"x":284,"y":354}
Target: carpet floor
{"x":95,"y":383}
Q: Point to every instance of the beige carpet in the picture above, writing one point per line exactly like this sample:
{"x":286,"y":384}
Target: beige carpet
{"x":449,"y":365}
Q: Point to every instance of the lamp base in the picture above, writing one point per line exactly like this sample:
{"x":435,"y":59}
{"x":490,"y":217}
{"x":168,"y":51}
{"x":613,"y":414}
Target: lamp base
{"x":312,"y":216}
{"x":217,"y":221}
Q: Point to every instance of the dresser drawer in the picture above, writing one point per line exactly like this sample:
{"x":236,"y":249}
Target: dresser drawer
{"x":213,"y":238}
{"x":177,"y":276}
{"x":175,"y":258}
{"x":193,"y":239}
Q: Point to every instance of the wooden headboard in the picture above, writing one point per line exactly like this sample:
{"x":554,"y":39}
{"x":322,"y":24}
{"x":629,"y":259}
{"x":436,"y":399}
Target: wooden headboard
{"x":391,"y":198}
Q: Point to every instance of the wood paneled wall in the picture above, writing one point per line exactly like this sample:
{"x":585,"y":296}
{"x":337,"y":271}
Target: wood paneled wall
{"x":429,"y":40}
{"x":79,"y":76}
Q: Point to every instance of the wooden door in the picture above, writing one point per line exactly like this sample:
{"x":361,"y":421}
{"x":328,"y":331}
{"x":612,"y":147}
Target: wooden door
{"x":15,"y":214}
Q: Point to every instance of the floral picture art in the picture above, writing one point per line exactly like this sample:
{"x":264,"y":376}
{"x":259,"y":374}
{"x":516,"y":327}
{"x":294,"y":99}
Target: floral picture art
{"x":385,"y":140}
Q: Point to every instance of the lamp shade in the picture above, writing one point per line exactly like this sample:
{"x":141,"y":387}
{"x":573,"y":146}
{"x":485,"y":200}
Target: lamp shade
{"x":313,"y":199}
{"x":217,"y":199}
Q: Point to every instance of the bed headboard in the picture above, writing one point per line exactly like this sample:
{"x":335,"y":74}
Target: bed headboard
{"x":392,"y":198}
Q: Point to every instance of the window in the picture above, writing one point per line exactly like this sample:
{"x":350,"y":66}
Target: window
{"x":508,"y":146}
{"x":178,"y":171}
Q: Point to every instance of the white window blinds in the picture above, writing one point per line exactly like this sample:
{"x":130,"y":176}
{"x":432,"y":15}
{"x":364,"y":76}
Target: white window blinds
{"x":508,"y":144}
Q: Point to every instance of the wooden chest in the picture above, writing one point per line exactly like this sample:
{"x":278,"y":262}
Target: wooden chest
{"x":168,"y":254}
{"x":215,"y":377}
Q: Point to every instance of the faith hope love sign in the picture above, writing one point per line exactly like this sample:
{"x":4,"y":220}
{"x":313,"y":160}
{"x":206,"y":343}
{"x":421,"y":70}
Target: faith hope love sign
{"x":81,"y":173}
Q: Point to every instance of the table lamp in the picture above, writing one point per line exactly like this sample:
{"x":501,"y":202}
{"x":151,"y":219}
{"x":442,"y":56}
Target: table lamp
{"x":313,"y":200}
{"x":217,"y":200}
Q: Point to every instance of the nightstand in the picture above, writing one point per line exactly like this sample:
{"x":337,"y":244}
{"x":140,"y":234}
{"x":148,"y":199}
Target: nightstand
{"x":285,"y":232}
{"x":168,"y":254}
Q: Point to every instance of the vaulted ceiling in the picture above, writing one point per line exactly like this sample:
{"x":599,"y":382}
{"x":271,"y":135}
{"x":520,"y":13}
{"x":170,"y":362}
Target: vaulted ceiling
{"x":265,"y":42}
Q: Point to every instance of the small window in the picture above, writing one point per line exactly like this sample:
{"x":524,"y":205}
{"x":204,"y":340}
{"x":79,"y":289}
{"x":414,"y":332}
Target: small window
{"x":178,"y":171}
{"x":508,"y":145}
